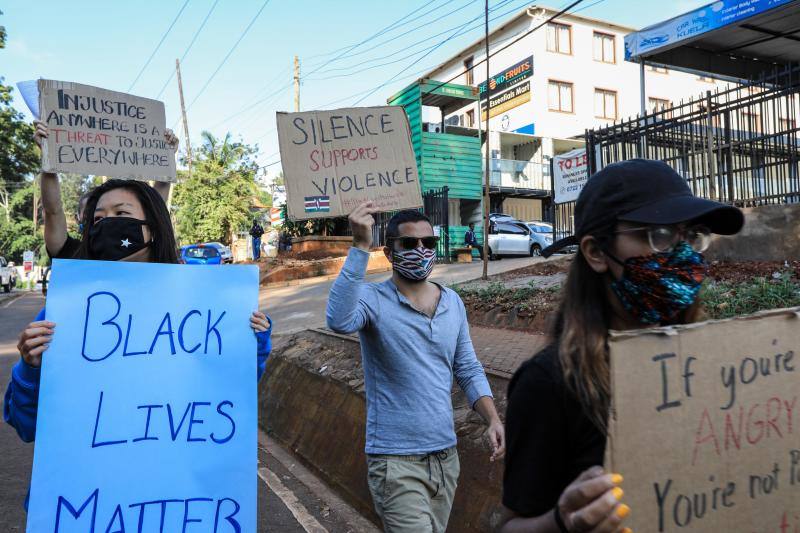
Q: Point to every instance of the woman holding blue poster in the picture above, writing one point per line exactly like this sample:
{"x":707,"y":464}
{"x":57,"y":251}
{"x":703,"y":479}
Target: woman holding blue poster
{"x":123,"y":221}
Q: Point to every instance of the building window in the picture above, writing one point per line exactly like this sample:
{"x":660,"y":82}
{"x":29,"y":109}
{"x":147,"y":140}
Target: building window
{"x":657,"y":104}
{"x":559,"y":96}
{"x":559,"y":38}
{"x":605,"y":104}
{"x":605,"y":47}
{"x":468,"y":64}
{"x":469,"y":118}
{"x":658,"y":70}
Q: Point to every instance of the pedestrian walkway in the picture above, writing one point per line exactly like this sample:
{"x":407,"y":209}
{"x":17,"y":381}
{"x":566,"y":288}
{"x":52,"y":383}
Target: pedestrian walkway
{"x":502,"y":351}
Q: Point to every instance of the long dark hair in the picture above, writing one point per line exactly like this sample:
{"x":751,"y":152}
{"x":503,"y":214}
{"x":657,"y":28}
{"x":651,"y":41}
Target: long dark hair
{"x":581,"y":327}
{"x":163,"y":248}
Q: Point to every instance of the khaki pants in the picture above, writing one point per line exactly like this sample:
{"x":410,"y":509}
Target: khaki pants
{"x":414,"y":493}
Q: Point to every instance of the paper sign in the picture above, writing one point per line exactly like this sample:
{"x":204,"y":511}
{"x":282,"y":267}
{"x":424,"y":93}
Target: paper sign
{"x":99,"y":132}
{"x":147,"y":407}
{"x":705,"y":425}
{"x":30,"y":94}
{"x":333,"y":161}
{"x":570,"y":173}
{"x":27,"y":255}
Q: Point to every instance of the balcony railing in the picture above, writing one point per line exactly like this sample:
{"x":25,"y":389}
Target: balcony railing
{"x":509,"y":173}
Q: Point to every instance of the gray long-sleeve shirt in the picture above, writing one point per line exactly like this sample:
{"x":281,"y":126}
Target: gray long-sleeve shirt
{"x":409,"y":360}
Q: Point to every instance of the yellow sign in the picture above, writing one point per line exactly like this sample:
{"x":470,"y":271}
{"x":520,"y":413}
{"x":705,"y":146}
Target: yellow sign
{"x":507,"y":100}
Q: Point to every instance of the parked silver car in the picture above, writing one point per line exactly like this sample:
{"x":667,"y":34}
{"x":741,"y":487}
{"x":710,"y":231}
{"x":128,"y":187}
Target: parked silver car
{"x":541,"y":234}
{"x":224,"y":251}
{"x":509,"y":237}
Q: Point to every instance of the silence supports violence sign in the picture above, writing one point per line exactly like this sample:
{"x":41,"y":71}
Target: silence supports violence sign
{"x":334,"y":161}
{"x":705,"y":425}
{"x":99,"y":132}
{"x":147,"y":407}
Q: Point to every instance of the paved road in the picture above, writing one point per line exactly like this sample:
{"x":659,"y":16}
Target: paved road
{"x":290,"y":499}
{"x":300,"y":307}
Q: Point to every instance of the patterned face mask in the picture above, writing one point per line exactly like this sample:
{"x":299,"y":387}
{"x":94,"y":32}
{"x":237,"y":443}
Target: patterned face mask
{"x":414,"y":265}
{"x":655,"y":288}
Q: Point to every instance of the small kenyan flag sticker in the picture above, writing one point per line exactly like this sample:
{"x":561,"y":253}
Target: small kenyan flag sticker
{"x":316,"y":204}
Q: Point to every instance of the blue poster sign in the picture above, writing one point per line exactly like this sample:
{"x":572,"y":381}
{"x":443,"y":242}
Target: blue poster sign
{"x":711,"y":17}
{"x":147,"y":407}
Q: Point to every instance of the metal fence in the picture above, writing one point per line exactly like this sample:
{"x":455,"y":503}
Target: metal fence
{"x":435,"y":207}
{"x":738,"y":145}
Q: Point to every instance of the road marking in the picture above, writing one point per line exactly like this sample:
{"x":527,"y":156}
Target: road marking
{"x":13,"y":299}
{"x":295,"y":316}
{"x":300,"y":513}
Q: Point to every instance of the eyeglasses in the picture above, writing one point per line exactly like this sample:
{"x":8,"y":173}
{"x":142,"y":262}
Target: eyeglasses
{"x":410,"y":243}
{"x":665,"y":238}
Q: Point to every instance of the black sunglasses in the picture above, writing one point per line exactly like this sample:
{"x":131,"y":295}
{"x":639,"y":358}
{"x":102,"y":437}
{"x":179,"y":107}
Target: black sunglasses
{"x":410,"y":243}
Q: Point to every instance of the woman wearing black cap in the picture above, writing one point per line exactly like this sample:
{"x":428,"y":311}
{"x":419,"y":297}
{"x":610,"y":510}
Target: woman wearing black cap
{"x":641,"y":234}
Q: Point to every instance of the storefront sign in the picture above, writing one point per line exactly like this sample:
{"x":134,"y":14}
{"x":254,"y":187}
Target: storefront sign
{"x":508,"y":100}
{"x":570,"y":172}
{"x":508,"y":77}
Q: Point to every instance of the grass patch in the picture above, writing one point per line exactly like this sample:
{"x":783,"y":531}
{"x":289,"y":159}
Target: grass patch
{"x":726,"y":300}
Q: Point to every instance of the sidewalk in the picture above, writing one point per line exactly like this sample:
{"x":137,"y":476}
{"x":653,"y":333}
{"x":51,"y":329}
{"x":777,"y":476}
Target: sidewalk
{"x":502,"y":351}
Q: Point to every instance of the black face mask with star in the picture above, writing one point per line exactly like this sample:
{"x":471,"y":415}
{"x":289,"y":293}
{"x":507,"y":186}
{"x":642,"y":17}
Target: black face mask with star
{"x":115,"y":238}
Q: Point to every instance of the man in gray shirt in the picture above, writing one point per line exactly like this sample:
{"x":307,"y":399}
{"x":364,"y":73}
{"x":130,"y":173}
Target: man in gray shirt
{"x":414,"y":339}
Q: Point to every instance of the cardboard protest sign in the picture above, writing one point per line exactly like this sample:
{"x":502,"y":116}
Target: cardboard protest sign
{"x":100,"y":132}
{"x":570,"y":174}
{"x":705,"y":425}
{"x":334,"y":161}
{"x":147,"y":406}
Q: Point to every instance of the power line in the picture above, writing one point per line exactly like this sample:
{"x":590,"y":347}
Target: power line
{"x":455,"y":34}
{"x":501,"y":4}
{"x":548,"y":21}
{"x":186,"y":52}
{"x":163,"y":38}
{"x":229,"y":54}
{"x":393,"y":39}
{"x":344,"y":52}
{"x":393,"y":26}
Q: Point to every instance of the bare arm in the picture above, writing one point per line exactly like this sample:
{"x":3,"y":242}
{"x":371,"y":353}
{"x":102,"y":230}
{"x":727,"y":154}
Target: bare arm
{"x":55,"y":222}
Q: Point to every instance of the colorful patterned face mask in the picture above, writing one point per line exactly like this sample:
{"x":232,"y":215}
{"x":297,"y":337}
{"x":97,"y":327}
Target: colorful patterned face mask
{"x":414,"y":265}
{"x":655,"y":288}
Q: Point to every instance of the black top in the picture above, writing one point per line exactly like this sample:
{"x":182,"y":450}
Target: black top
{"x":469,"y":237}
{"x":549,"y":438}
{"x":68,"y":251}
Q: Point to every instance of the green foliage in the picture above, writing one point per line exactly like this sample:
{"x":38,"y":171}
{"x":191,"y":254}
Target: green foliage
{"x":317,"y":226}
{"x":18,"y":236}
{"x":726,"y":300}
{"x":19,"y":155}
{"x":213,"y":204}
{"x":73,"y":186}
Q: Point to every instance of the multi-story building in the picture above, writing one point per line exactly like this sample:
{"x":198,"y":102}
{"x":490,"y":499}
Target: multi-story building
{"x":545,"y":90}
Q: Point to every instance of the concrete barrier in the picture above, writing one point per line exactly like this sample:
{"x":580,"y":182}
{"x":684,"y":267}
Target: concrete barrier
{"x":770,"y":233}
{"x":312,"y":400}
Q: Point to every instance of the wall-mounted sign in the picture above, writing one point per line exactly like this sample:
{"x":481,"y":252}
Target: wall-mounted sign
{"x":508,"y":100}
{"x":508,"y":77}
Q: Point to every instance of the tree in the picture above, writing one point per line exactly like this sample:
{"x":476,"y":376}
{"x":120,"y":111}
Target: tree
{"x":19,"y":156}
{"x":73,"y":186}
{"x":214,"y":203}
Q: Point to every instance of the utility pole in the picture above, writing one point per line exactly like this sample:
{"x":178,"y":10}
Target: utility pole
{"x":488,"y":153}
{"x":296,"y":83}
{"x":183,"y":114}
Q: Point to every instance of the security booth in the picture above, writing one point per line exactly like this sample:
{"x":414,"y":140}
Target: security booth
{"x":448,"y":157}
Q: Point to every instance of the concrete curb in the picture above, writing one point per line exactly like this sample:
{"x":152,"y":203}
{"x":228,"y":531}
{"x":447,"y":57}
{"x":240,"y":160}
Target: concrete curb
{"x":316,"y":279}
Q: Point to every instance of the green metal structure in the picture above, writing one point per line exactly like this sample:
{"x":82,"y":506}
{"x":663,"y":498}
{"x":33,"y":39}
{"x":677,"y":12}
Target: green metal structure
{"x":450,"y":157}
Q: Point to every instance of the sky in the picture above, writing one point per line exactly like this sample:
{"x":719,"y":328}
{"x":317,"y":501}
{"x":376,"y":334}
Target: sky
{"x":131,"y":46}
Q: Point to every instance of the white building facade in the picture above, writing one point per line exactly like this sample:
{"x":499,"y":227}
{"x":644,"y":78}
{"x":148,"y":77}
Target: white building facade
{"x":545,"y":90}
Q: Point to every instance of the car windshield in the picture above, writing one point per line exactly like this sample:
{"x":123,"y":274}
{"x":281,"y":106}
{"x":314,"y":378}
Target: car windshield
{"x":204,"y":253}
{"x":540,"y":228}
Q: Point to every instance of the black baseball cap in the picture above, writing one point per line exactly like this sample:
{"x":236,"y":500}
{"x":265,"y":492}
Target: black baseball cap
{"x":644,"y":191}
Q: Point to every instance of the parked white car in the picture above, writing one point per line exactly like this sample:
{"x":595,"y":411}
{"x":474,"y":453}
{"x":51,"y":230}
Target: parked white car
{"x":224,"y":251}
{"x":8,"y":275}
{"x":509,"y":237}
{"x":541,"y":236}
